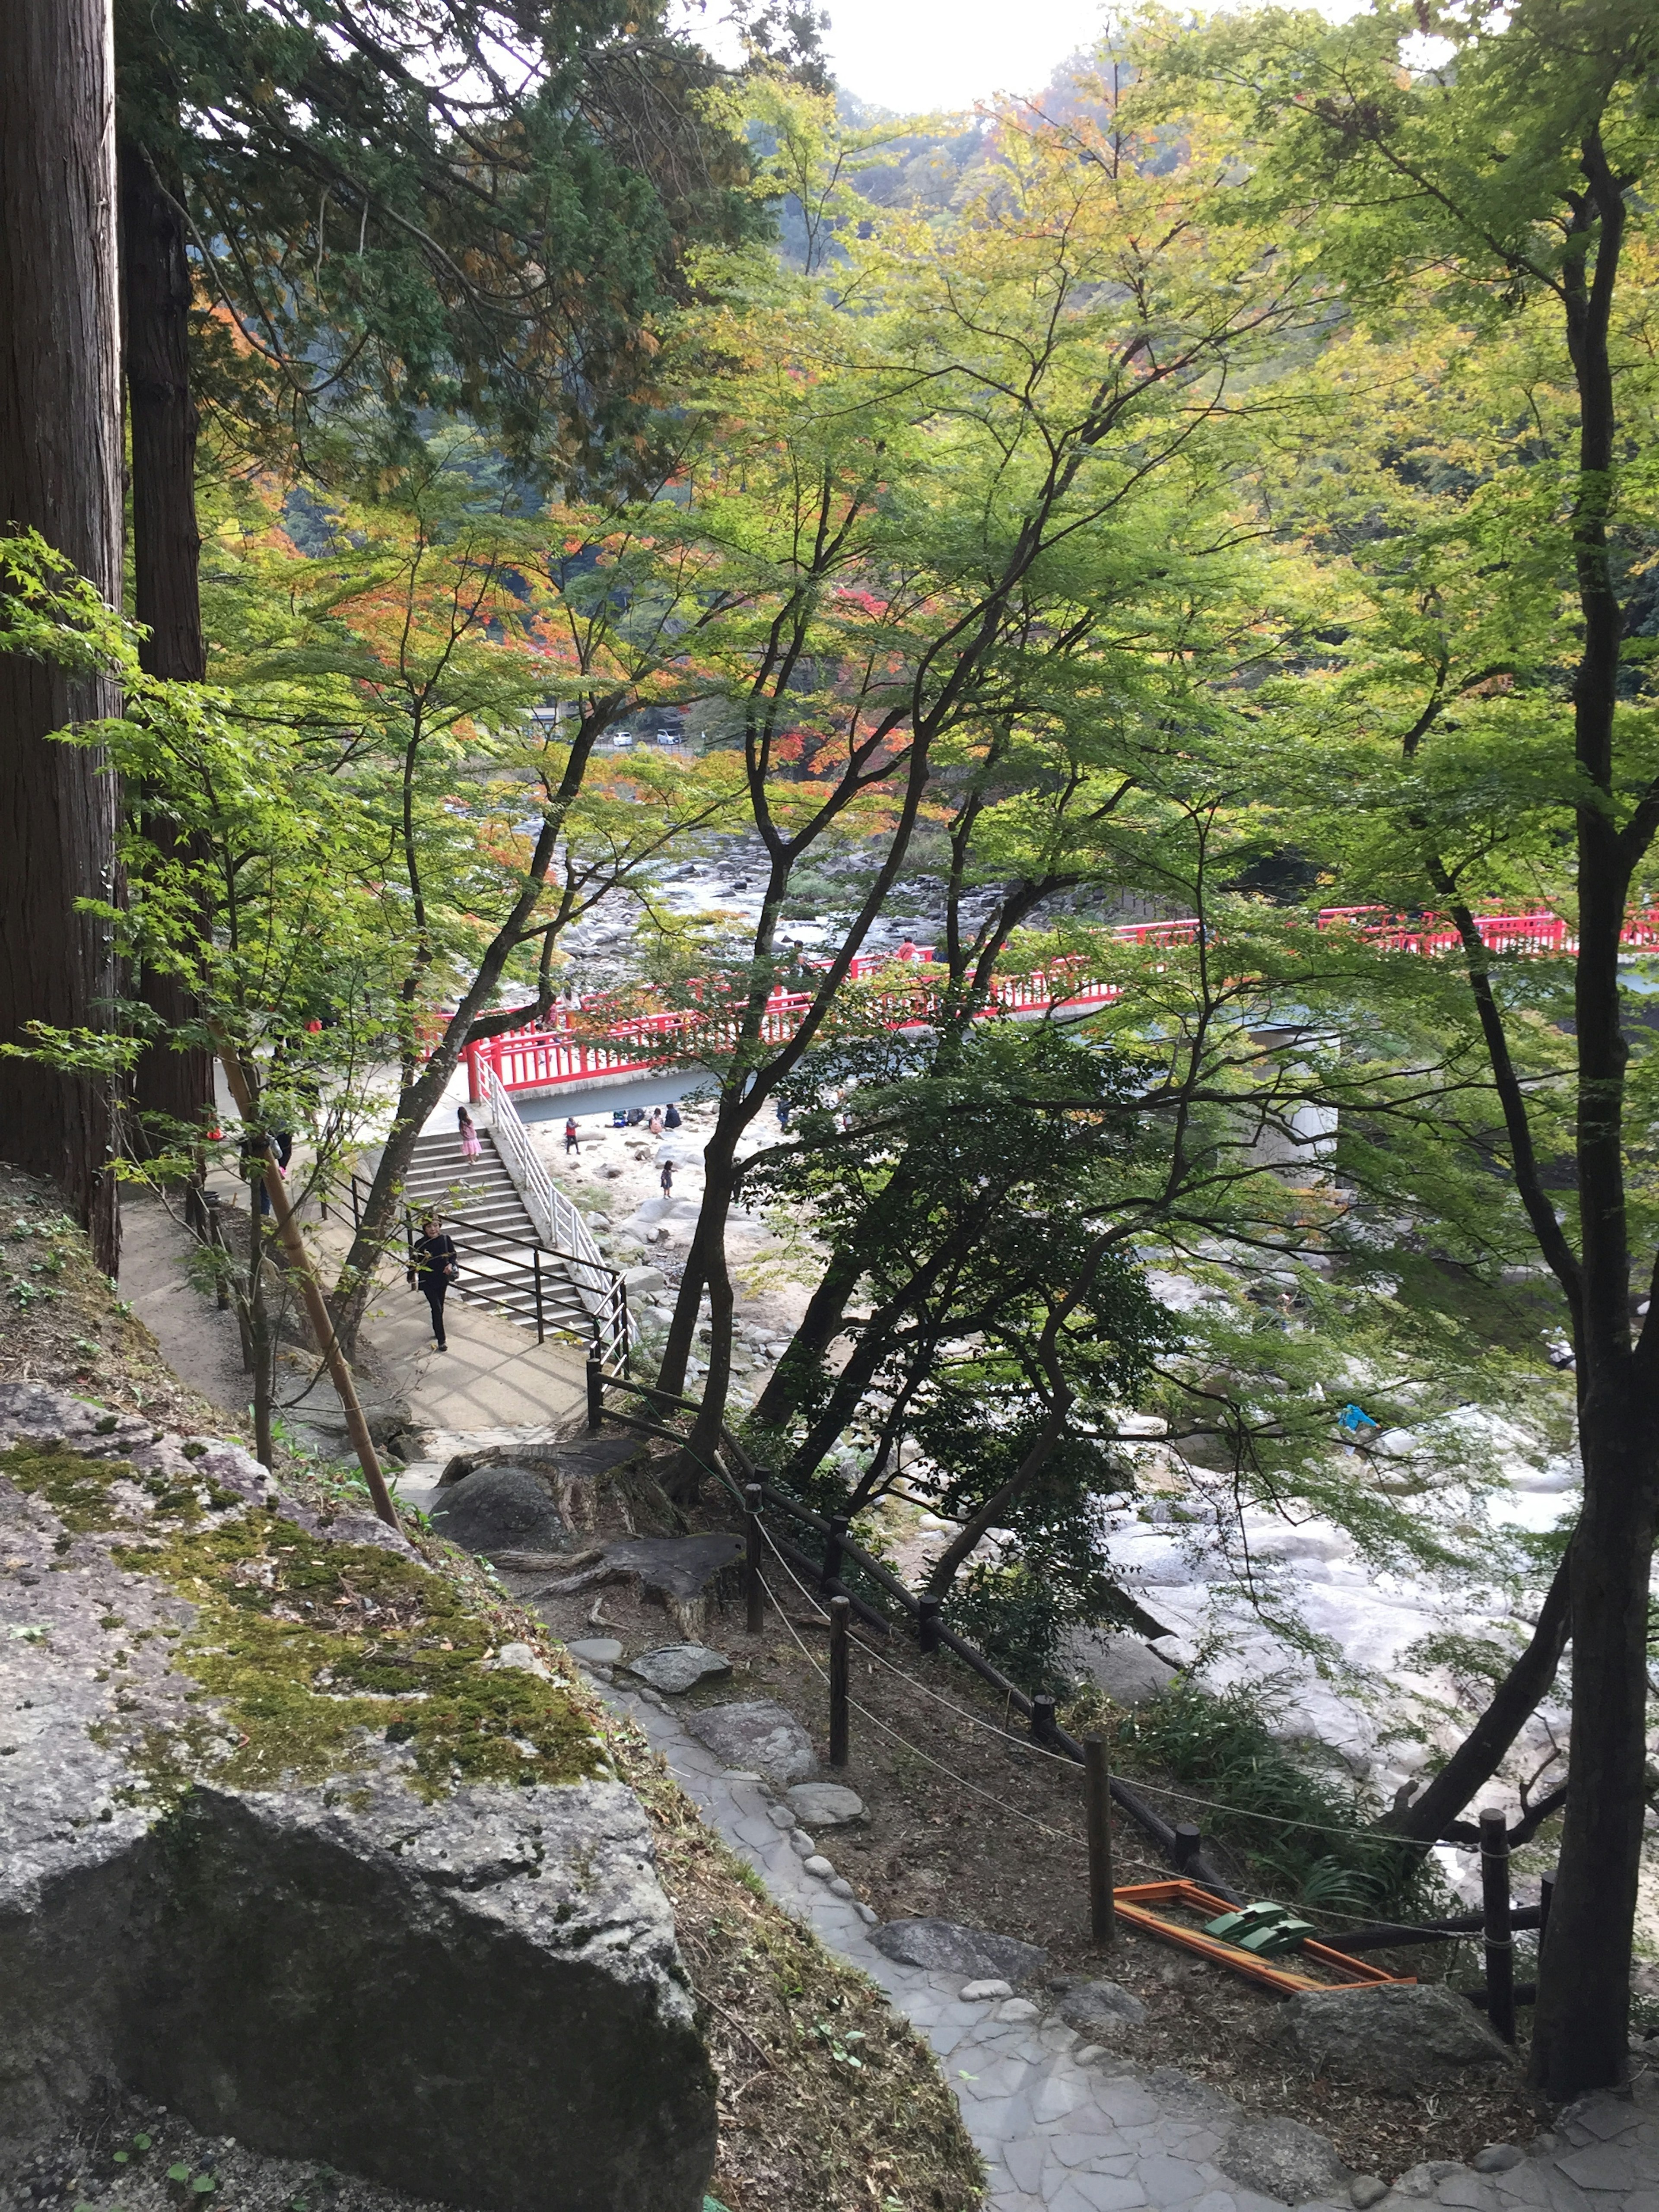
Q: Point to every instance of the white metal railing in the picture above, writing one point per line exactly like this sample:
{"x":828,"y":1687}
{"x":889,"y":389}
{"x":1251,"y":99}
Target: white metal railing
{"x":554,"y":1219}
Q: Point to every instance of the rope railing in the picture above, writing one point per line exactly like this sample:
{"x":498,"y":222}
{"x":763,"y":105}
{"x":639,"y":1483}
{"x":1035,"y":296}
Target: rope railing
{"x":1182,"y":1845}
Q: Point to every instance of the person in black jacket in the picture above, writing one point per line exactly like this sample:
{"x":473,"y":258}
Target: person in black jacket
{"x":432,"y":1267}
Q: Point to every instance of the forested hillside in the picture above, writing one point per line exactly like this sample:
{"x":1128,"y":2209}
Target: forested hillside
{"x":1220,"y":492}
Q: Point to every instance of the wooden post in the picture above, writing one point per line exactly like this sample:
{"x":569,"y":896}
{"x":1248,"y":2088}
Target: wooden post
{"x":1496,"y":1933}
{"x":1189,"y":1843}
{"x":1097,"y":1791}
{"x":536,"y":1263}
{"x":322,"y":1323}
{"x":1042,"y":1720}
{"x":755,"y":1587}
{"x":928,"y":1621}
{"x":832,"y":1549}
{"x":840,"y":1611}
{"x":595,"y":1389}
{"x":1546,"y":1898}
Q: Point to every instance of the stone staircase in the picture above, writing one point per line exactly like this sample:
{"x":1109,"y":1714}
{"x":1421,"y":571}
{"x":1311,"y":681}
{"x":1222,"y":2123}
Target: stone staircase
{"x":500,"y":1253}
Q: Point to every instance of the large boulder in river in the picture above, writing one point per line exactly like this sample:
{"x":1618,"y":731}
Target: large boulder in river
{"x":288,"y":1846}
{"x":1399,"y":2037}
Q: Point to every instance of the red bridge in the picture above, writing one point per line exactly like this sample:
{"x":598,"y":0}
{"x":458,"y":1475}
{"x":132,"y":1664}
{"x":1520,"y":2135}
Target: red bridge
{"x":570,"y":1047}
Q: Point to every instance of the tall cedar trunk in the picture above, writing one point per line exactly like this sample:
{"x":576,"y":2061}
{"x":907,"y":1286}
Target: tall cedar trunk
{"x":60,"y":473}
{"x":162,"y":422}
{"x":1580,"y":2032}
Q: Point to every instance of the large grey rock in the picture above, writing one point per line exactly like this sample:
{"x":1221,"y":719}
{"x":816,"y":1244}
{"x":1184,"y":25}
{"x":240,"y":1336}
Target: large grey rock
{"x":459,"y":1994}
{"x":1399,"y":2037}
{"x":596,"y":1650}
{"x":760,"y":1736}
{"x":643,"y":1282}
{"x":500,"y":1508}
{"x":1122,"y":1666}
{"x":1100,"y":2010}
{"x":1281,"y":2158}
{"x":943,"y":1947}
{"x":675,"y":1667}
{"x":826,"y":1805}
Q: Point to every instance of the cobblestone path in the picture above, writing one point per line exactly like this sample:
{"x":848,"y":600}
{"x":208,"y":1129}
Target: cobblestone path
{"x":1063,"y":2126}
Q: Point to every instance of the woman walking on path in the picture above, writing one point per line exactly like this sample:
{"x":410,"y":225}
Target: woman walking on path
{"x":431,"y":1269}
{"x":470,"y":1148}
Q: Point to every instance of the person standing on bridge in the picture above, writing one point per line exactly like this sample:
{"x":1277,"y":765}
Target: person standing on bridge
{"x":432,"y":1267}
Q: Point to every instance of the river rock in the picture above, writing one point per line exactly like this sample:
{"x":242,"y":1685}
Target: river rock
{"x":500,"y":1508}
{"x":419,"y":1988}
{"x":596,"y":1650}
{"x":760,"y":1735}
{"x":826,"y":1804}
{"x":1122,"y":1666}
{"x":942,"y":1948}
{"x":678,"y":1666}
{"x":641,"y":1283}
{"x":1281,"y":2158}
{"x":1400,"y":2038}
{"x":1100,"y":2010}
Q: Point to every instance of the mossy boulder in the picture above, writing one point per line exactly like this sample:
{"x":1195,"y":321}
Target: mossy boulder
{"x":283,"y":1847}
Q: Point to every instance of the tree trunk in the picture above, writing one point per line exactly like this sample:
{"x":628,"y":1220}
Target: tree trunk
{"x":155,"y":297}
{"x":1581,"y":2028}
{"x":799,"y":1373}
{"x":1516,"y":1699}
{"x":60,"y":474}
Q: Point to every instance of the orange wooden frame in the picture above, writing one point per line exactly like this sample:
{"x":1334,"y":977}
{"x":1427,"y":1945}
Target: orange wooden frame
{"x":1132,"y":1906}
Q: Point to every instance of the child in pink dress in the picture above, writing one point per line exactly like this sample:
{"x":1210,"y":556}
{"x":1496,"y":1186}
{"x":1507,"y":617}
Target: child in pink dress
{"x":470,"y":1148}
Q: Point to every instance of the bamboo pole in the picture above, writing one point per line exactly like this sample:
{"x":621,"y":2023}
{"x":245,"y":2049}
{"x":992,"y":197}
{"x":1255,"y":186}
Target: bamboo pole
{"x":322,"y":1322}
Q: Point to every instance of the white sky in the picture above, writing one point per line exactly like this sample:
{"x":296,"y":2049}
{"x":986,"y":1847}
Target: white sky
{"x":915,"y":55}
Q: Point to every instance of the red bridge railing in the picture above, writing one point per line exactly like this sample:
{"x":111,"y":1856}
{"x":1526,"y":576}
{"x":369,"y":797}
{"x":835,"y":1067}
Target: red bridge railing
{"x":567,"y":1048}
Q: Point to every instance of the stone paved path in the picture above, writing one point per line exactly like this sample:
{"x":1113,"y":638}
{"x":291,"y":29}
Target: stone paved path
{"x":1063,"y":2127}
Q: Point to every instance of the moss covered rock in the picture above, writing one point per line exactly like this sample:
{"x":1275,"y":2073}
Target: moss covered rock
{"x":282,"y":1846}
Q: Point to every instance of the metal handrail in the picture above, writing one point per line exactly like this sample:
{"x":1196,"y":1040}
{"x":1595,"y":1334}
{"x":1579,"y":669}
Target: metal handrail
{"x":604,"y":1299}
{"x":557,"y":1221}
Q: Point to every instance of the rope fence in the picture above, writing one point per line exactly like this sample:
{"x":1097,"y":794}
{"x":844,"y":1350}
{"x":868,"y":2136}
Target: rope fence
{"x":1495,"y":1924}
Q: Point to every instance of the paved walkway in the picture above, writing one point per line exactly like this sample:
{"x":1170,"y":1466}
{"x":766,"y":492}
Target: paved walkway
{"x":1063,"y":2126}
{"x":494,"y":1376}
